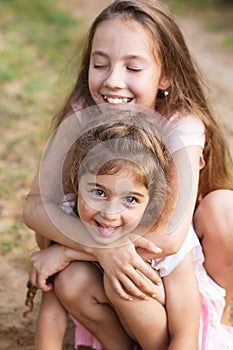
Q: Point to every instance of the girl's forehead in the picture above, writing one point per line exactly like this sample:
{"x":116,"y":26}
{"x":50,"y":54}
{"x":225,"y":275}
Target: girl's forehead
{"x":132,"y":175}
{"x":122,"y":26}
{"x":125,"y":34}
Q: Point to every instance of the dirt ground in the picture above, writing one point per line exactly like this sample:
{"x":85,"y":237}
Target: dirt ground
{"x":16,"y":332}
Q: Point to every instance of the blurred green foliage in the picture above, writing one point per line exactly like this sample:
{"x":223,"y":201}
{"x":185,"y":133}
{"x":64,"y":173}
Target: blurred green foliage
{"x":37,"y":39}
{"x":217,"y":15}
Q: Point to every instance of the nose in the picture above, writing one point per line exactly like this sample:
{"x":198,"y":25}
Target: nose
{"x":111,"y":210}
{"x":115,"y":79}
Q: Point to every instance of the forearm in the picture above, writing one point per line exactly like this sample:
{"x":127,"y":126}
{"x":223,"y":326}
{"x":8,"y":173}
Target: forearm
{"x":74,"y":255}
{"x":62,"y":228}
{"x":42,"y":242}
{"x":174,"y":223}
{"x":169,"y":242}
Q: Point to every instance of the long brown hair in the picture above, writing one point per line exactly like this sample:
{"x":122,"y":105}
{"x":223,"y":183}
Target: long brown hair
{"x":185,"y":92}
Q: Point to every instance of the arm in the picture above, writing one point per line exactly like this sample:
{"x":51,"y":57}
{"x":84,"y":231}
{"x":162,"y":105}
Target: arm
{"x":170,"y":233}
{"x":64,"y":229}
{"x":36,"y":217}
{"x":50,"y":261}
{"x":42,"y":242}
{"x":120,"y":264}
{"x":183,"y":306}
{"x":55,"y":258}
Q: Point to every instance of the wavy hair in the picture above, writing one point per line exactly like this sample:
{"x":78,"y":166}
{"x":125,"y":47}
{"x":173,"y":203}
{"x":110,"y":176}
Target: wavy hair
{"x":186,"y":92}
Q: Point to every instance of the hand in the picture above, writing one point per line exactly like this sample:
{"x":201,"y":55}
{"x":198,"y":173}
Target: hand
{"x":128,"y":273}
{"x":145,"y":247}
{"x":46,"y":263}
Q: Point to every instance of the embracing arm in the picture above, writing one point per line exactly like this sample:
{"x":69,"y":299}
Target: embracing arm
{"x":37,"y":218}
{"x":170,"y":233}
{"x":183,"y":306}
{"x":121,"y":264}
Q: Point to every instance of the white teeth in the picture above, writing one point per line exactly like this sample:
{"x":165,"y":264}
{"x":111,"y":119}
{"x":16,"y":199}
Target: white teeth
{"x":116,"y":100}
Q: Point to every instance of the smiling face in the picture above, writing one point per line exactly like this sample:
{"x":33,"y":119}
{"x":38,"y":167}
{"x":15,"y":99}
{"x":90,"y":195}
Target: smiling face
{"x":111,"y":206}
{"x":123,"y":69}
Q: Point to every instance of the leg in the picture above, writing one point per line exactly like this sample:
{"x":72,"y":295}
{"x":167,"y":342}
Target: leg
{"x":80,"y":289}
{"x":51,"y":323}
{"x":144,"y":320}
{"x":213,"y":222}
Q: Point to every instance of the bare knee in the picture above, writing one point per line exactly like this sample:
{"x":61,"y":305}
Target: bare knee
{"x":74,"y":281}
{"x":213,"y":223}
{"x":214,"y":218}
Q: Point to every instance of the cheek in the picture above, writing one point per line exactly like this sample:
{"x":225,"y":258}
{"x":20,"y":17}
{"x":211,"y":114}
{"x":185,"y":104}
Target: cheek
{"x":135,"y":216}
{"x":85,"y":212}
{"x":93,"y":82}
{"x":130,"y":218}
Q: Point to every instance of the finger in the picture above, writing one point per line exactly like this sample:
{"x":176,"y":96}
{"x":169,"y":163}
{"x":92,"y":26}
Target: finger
{"x":151,"y":288}
{"x":141,"y":286}
{"x":148,"y":245}
{"x":120,"y":290}
{"x":132,"y":287}
{"x":42,"y":282}
{"x":148,"y":272}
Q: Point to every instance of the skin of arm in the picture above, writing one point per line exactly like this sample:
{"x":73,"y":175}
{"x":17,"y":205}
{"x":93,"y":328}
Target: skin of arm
{"x":183,"y":306}
{"x":171,"y":239}
{"x":42,"y":242}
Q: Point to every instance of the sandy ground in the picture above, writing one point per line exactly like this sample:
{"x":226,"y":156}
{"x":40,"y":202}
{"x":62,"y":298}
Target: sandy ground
{"x":16,"y":332}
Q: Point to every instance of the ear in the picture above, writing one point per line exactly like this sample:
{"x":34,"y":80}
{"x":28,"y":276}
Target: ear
{"x":164,"y":83}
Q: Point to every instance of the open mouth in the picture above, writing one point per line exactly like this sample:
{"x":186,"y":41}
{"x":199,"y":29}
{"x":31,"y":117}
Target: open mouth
{"x":117,"y":100}
{"x":104,"y":230}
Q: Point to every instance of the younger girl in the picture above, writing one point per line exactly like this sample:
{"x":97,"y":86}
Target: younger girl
{"x":136,"y":54}
{"x":121,"y":183}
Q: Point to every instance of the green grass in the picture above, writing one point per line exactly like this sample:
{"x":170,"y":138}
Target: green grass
{"x":37,"y":39}
{"x":228,"y":42}
{"x":216,"y":15}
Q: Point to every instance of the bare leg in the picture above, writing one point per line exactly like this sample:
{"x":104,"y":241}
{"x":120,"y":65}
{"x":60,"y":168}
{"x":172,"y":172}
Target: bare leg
{"x":80,"y":289}
{"x":213,"y":222}
{"x":51,"y":323}
{"x":144,"y":320}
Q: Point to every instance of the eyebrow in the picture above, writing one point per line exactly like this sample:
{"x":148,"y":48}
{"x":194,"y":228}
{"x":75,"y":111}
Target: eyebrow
{"x":134,"y":194}
{"x":128,"y":193}
{"x":130,"y":57}
{"x":96,"y":185}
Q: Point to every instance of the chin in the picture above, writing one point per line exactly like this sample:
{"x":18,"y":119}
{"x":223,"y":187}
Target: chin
{"x":105,"y":240}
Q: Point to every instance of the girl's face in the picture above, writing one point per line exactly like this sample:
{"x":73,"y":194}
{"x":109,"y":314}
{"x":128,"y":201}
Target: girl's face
{"x":123,"y":69}
{"x":111,"y":206}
